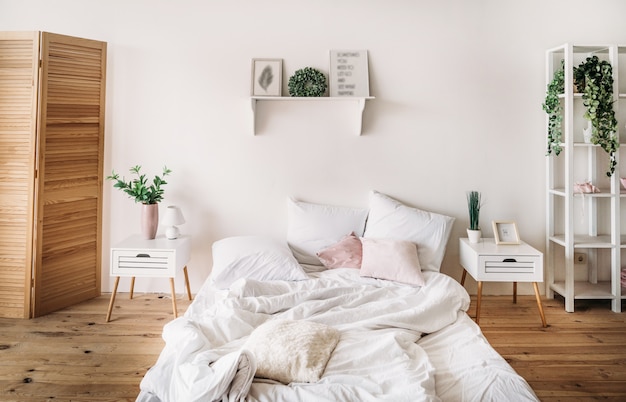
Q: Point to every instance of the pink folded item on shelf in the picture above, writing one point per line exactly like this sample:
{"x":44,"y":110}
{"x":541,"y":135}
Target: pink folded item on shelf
{"x":585,"y":188}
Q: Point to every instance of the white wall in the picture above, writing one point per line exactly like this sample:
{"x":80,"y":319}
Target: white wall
{"x":458,"y":86}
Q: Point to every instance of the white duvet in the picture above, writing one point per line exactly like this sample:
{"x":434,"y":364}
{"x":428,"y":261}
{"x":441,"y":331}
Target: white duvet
{"x":376,"y":359}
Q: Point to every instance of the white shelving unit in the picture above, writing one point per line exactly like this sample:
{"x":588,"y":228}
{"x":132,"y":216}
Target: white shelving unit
{"x":358,"y":118}
{"x":589,"y":224}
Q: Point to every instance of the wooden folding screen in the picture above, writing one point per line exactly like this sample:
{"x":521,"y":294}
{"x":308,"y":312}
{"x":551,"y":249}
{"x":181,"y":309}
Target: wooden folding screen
{"x":52,"y":96}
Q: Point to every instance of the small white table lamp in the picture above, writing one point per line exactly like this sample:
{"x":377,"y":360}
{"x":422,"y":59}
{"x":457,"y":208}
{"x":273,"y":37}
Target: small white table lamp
{"x":173,"y":216}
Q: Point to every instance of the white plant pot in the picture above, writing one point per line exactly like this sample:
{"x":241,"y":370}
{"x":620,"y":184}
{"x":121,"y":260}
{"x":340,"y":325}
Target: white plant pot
{"x":474,"y":235}
{"x":587,"y":132}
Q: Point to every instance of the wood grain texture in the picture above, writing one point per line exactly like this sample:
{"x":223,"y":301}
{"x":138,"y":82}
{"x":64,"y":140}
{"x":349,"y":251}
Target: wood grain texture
{"x":580,"y":356}
{"x":73,"y":354}
{"x":52,"y":97}
{"x":69,"y":192}
{"x":19,"y":59}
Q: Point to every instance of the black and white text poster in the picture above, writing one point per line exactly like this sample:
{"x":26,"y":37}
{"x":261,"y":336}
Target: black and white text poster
{"x":349,"y":74}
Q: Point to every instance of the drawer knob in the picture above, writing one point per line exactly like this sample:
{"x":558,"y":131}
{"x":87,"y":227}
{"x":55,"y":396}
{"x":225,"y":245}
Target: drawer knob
{"x":509,"y":260}
{"x":143,"y":255}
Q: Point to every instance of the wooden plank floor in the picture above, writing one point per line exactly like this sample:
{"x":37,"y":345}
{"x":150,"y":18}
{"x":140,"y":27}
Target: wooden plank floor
{"x":580,"y":356}
{"x":73,"y":355}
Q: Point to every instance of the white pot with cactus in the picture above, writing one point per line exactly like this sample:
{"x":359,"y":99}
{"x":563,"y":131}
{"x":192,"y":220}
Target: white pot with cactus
{"x":473,"y":205}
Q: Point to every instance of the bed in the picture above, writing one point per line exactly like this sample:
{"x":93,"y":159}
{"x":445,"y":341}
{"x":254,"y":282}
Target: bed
{"x":351,"y":307}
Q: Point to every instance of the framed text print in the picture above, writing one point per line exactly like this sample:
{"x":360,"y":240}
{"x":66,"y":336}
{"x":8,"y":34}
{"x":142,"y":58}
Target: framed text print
{"x":267,"y":77}
{"x":349,"y":75}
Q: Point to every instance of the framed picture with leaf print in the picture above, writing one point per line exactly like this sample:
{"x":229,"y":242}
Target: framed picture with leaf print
{"x":267,"y":77}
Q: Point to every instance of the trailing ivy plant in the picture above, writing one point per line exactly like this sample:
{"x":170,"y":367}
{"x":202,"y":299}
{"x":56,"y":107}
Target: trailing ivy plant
{"x":594,"y":79}
{"x":554,"y":109}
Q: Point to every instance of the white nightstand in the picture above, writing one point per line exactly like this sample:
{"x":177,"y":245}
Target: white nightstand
{"x":156,"y":258}
{"x":487,"y":261}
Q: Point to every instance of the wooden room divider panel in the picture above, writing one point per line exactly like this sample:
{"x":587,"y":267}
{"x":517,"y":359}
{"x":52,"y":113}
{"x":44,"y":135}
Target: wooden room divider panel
{"x":60,"y":250}
{"x":19,"y":60}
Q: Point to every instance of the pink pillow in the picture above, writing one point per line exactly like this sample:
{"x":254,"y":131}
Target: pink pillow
{"x":394,"y":260}
{"x":344,"y":254}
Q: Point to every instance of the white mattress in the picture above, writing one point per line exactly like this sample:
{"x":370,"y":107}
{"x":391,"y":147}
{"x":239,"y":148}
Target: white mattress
{"x":398,"y":343}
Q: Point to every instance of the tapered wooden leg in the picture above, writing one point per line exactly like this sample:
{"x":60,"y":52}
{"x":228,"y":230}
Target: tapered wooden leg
{"x":478,"y":299}
{"x":514,"y":292}
{"x":187,"y":283}
{"x":543,"y":317}
{"x":173,"y":297}
{"x":132,"y":287}
{"x":463,"y":277}
{"x":117,"y":281}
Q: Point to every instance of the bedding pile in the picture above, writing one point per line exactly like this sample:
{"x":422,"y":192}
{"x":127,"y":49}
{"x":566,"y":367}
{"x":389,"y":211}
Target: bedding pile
{"x":376,"y":357}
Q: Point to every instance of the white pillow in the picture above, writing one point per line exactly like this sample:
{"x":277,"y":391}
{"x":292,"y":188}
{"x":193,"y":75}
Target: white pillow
{"x":292,"y":351}
{"x":314,"y":227}
{"x":390,"y":219}
{"x":255,"y":257}
{"x":394,"y":260}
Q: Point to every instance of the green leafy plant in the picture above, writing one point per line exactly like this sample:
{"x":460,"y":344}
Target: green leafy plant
{"x":554,"y":109}
{"x":473,"y":206}
{"x":307,"y":82}
{"x":138,"y":188}
{"x":594,"y":79}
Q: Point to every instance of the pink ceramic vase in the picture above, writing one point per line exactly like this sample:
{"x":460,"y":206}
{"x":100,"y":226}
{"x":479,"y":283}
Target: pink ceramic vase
{"x":149,"y":220}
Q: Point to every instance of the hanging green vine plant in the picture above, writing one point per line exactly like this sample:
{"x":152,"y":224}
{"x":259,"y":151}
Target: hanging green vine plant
{"x":554,"y":109}
{"x":594,"y":78}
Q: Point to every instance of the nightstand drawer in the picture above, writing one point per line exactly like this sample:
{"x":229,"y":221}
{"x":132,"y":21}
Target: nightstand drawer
{"x":517,"y":268}
{"x":143,"y":263}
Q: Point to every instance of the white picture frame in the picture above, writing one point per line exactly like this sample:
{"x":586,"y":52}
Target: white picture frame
{"x":505,"y":232}
{"x":349,"y":73}
{"x":267,"y":77}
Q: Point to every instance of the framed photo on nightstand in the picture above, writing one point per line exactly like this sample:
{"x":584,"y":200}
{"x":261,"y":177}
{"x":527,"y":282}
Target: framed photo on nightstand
{"x":505,"y":232}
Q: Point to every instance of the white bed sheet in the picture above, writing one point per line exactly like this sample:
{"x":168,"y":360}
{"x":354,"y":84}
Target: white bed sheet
{"x":380,"y":355}
{"x":467,"y":368}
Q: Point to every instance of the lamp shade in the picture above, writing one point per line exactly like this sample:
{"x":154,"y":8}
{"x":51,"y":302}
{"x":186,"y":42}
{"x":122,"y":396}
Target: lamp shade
{"x":173,"y":216}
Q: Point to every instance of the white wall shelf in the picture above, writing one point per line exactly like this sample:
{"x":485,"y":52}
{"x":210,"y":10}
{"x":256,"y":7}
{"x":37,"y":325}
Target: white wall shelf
{"x":358,"y":118}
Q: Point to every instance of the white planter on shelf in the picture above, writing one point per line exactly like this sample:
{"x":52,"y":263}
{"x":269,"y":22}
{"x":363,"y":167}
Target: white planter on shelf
{"x":474,"y":235}
{"x":587,"y":132}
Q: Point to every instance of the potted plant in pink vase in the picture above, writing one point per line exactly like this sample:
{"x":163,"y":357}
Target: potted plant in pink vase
{"x":149,"y":195}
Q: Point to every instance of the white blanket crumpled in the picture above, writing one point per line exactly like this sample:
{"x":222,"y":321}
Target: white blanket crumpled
{"x":377,"y":357}
{"x":211,"y":377}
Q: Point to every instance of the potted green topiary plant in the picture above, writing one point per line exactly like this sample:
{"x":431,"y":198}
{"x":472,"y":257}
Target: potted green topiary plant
{"x":149,"y":195}
{"x":473,"y":205}
{"x":594,"y":79}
